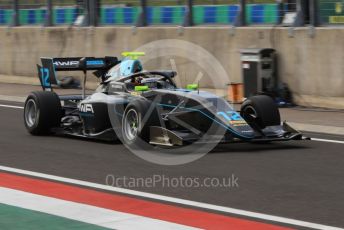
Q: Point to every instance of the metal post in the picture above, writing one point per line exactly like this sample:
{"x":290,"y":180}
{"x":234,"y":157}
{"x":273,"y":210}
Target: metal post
{"x":188,"y":18}
{"x":281,"y":13}
{"x":49,"y":14}
{"x":15,"y":16}
{"x":300,"y":14}
{"x":241,"y":17}
{"x":93,"y":12}
{"x":314,"y":13}
{"x":79,"y":7}
{"x":142,"y":19}
{"x":87,"y":20}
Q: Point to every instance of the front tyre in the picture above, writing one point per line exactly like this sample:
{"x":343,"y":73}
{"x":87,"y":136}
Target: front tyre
{"x":42,"y":112}
{"x":260,"y":111}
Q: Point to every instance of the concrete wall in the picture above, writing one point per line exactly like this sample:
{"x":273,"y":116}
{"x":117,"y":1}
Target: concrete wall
{"x":313,"y":67}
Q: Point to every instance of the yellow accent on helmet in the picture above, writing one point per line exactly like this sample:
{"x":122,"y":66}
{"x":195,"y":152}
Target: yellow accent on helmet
{"x":133,"y":55}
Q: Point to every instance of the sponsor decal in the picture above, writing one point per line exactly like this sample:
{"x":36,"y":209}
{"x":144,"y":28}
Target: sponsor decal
{"x":95,"y":62}
{"x":66,"y":63}
{"x":238,"y":123}
{"x":233,"y":118}
{"x":86,"y":108}
{"x":230,"y":116}
{"x":45,"y":77}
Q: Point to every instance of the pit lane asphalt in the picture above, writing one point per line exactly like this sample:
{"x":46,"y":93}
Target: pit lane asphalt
{"x":299,"y":179}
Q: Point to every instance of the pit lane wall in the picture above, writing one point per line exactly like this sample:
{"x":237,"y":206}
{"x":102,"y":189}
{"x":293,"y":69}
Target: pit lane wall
{"x":312,"y":65}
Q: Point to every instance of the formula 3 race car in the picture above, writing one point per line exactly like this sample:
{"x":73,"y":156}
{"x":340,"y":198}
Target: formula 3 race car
{"x":135,"y":105}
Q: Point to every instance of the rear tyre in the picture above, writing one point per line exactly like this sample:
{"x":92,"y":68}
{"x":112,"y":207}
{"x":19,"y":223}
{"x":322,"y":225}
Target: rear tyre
{"x":42,"y":112}
{"x":260,"y":111}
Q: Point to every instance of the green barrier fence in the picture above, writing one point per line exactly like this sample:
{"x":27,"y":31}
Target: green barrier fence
{"x":112,"y":15}
{"x":331,"y":12}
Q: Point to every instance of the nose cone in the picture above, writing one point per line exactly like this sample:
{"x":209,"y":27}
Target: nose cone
{"x":222,"y":113}
{"x":235,"y":124}
{"x":226,"y":115}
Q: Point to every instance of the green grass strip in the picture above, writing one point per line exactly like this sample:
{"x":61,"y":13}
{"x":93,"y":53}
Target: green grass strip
{"x":14,"y":218}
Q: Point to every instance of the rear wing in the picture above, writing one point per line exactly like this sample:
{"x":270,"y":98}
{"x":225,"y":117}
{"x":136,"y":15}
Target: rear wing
{"x":47,"y":71}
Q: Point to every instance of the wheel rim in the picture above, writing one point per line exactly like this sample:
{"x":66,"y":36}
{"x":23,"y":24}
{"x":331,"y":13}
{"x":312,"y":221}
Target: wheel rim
{"x":131,"y":124}
{"x":31,"y":113}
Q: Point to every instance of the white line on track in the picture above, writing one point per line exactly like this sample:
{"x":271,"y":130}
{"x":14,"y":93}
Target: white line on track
{"x":12,"y":106}
{"x":174,"y":200}
{"x":327,"y":140}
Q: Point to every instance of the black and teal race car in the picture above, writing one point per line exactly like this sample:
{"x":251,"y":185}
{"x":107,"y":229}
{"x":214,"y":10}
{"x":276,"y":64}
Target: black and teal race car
{"x":139,"y":106}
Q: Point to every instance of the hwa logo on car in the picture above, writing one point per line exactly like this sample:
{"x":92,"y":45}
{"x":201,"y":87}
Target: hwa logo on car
{"x":66,"y":63}
{"x":86,"y":108}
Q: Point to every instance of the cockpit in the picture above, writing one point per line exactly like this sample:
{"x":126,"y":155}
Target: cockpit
{"x":129,"y":76}
{"x":141,"y":81}
{"x":150,"y":82}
